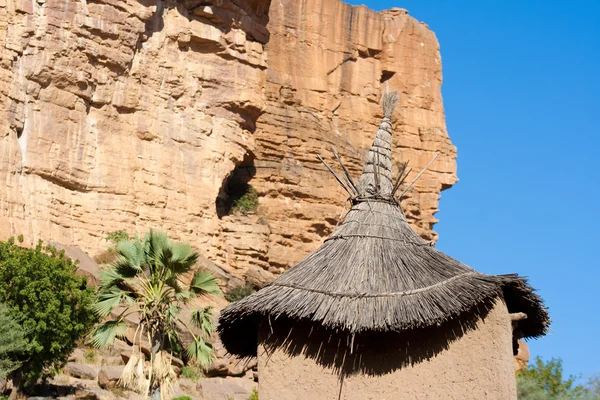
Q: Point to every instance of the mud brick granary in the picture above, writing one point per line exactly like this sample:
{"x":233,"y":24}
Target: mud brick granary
{"x":376,"y":312}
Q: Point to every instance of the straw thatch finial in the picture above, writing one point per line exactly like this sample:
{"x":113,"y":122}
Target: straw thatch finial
{"x":376,"y":178}
{"x":389,"y":103}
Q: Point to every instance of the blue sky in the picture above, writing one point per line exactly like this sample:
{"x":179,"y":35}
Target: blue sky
{"x":521,"y":93}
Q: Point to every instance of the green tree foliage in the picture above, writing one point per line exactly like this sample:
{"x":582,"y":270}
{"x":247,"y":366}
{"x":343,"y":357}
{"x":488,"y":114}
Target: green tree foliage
{"x":544,"y":381}
{"x":594,"y":386}
{"x":12,"y":342}
{"x":530,"y":389}
{"x":148,"y":279}
{"x":52,"y":303}
{"x":253,"y":395}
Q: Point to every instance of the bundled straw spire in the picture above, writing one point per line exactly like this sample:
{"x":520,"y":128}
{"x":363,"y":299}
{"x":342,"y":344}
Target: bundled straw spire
{"x":376,"y":178}
{"x":375,"y":274}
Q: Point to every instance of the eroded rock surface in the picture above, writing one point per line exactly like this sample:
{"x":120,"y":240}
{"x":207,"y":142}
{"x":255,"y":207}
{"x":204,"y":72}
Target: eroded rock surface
{"x":131,"y":114}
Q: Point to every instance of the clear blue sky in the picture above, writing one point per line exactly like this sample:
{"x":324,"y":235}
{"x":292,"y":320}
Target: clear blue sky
{"x":521,"y":93}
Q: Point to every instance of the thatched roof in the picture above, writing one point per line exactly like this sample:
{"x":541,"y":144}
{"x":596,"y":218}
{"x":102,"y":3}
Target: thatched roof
{"x":375,"y":274}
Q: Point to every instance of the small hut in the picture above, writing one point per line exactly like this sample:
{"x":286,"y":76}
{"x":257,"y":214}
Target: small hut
{"x":377,"y":312}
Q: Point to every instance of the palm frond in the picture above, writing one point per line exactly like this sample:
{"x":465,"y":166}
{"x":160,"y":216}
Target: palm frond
{"x":202,"y":319}
{"x":183,"y":257}
{"x":173,"y":311}
{"x":106,"y":332}
{"x":132,"y":251}
{"x":127,"y":268}
{"x":155,"y":243}
{"x":200,"y":350}
{"x":205,"y":283}
{"x":183,"y":296}
{"x":172,"y":338}
{"x":172,"y":282}
{"x":106,"y":300}
{"x":109,"y":277}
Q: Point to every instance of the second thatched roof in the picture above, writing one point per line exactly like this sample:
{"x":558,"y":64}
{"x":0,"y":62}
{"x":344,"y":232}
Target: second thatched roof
{"x":374,"y":273}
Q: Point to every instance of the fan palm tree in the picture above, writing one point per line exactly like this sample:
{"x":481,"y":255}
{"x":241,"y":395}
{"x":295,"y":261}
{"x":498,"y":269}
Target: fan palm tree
{"x":148,"y":279}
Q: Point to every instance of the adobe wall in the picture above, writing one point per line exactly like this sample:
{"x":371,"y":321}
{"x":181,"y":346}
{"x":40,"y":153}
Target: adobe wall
{"x":479,"y":365}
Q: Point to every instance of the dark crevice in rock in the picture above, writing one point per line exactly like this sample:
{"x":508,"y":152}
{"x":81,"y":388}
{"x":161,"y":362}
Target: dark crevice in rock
{"x":235,"y":185}
{"x":69,"y":183}
{"x":344,"y":61}
{"x":386,"y":76}
{"x":369,"y":53}
{"x":247,"y":113}
{"x":445,"y":186}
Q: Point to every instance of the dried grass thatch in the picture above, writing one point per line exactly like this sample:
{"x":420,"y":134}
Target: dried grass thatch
{"x":375,"y":274}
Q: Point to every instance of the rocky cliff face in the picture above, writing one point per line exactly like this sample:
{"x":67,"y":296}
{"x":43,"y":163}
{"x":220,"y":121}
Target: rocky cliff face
{"x":131,"y":114}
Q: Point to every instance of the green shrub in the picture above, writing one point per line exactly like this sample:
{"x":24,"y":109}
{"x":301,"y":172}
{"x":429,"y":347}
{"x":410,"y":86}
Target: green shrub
{"x":191,"y":373}
{"x":247,"y":203}
{"x":117,"y":236}
{"x":50,"y":301}
{"x":90,"y":355}
{"x":109,"y":255}
{"x":544,"y":380}
{"x":253,"y":395}
{"x":182,"y":398}
{"x":239,"y":292}
{"x":12,"y":342}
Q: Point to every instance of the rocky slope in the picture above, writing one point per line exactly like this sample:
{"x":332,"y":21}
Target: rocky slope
{"x":131,"y":114}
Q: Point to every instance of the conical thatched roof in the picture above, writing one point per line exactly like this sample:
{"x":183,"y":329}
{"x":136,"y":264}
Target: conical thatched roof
{"x":374,"y":273}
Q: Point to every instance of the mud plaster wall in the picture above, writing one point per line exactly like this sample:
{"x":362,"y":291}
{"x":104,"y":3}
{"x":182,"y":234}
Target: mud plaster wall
{"x":477,"y":366}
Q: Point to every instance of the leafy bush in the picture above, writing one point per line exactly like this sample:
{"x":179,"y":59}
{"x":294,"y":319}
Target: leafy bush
{"x":594,"y":386}
{"x":544,"y":381}
{"x":239,"y":292}
{"x":117,"y":236}
{"x":253,"y":395}
{"x":51,"y":302}
{"x":12,"y":342}
{"x":182,"y":398}
{"x":529,"y":389}
{"x":109,"y":255}
{"x":90,"y":355}
{"x":247,"y":203}
{"x":191,"y":373}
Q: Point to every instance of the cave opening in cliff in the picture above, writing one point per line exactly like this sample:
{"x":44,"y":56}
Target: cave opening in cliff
{"x":386,"y":76}
{"x":236,"y":189}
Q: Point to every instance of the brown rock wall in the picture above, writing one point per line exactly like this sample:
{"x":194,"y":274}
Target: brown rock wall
{"x":132,"y":114}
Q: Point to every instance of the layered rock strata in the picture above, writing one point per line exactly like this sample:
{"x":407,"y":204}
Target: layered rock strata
{"x":131,"y":114}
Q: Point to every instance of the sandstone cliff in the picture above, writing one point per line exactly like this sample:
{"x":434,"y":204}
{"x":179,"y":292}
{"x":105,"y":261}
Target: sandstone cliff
{"x":131,"y":114}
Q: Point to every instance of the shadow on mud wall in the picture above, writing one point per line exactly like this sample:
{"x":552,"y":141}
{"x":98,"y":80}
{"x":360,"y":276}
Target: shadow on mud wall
{"x":369,"y":353}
